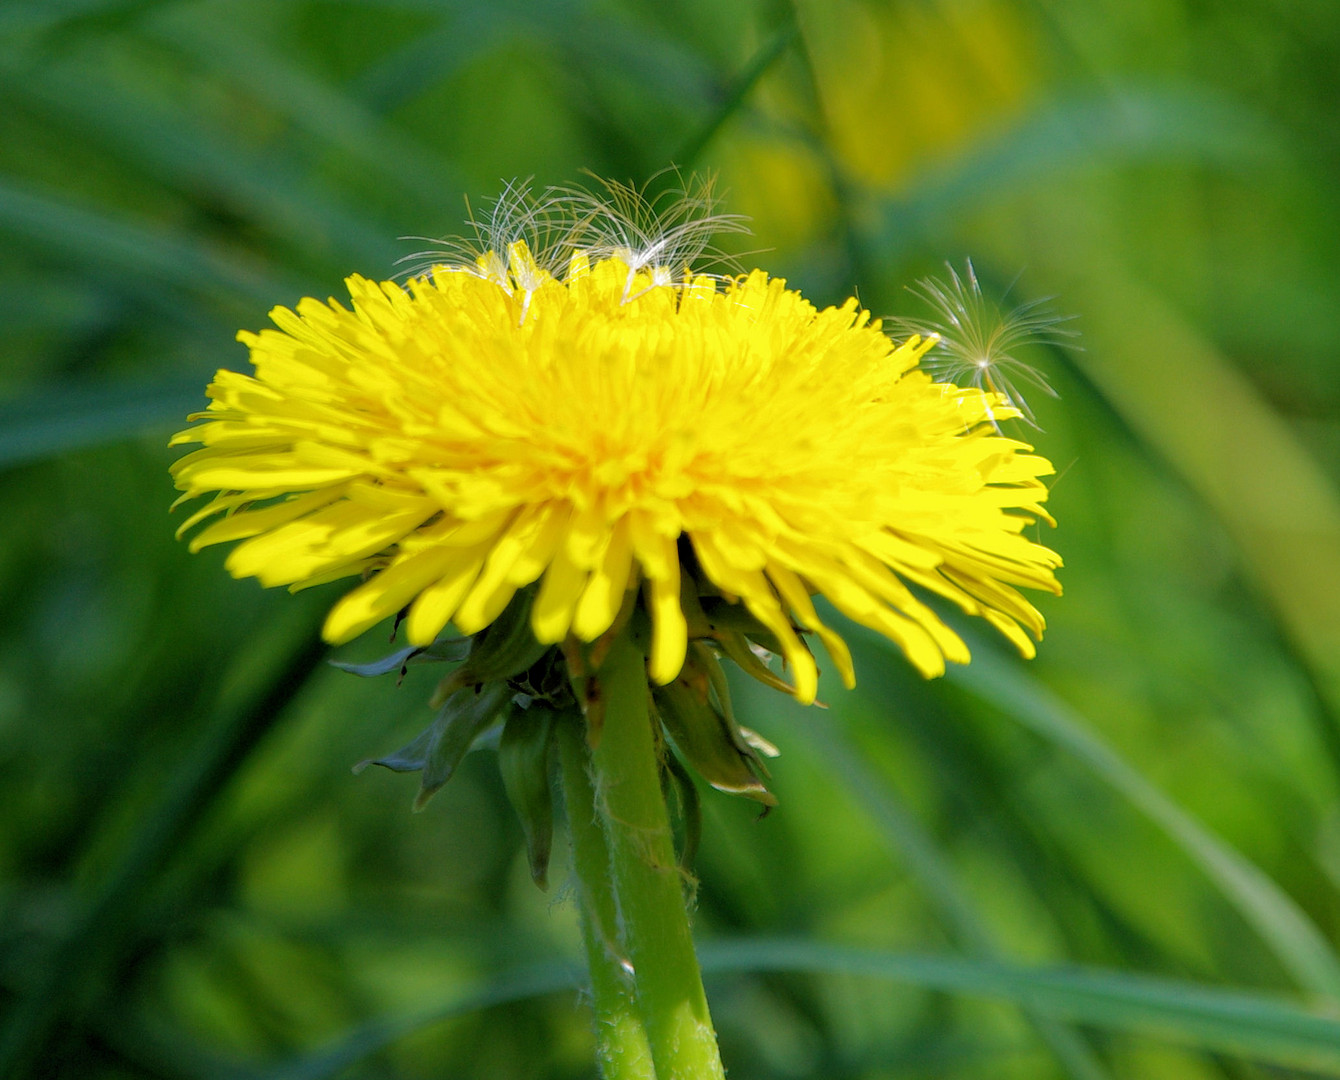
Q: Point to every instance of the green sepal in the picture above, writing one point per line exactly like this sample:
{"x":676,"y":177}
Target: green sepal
{"x":731,"y":627}
{"x":503,"y":649}
{"x":524,"y":757}
{"x":691,"y":606}
{"x":708,"y":741}
{"x":690,"y":814}
{"x":463,"y":717}
{"x":735,"y":645}
{"x":585,"y":688}
{"x":409,"y":758}
{"x":441,"y":650}
{"x":437,"y":750}
{"x":750,"y":743}
{"x":723,"y":616}
{"x":705,"y":660}
{"x":546,"y":681}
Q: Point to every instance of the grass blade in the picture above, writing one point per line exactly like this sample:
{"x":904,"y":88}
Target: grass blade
{"x":1269,"y":1030}
{"x":430,"y":58}
{"x":520,"y":984}
{"x":145,"y":132}
{"x":758,"y":66}
{"x":51,"y":422}
{"x":136,"y":253}
{"x":323,"y":110}
{"x":78,"y":965}
{"x":1265,"y":1029}
{"x":1131,"y":124}
{"x":907,"y":838}
{"x":1283,"y":925}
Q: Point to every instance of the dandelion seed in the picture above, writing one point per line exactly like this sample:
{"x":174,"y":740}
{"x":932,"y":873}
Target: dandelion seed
{"x":667,"y":235}
{"x":523,"y":241}
{"x":978,"y":340}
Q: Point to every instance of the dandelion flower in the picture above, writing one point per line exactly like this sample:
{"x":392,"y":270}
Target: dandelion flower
{"x":593,"y":421}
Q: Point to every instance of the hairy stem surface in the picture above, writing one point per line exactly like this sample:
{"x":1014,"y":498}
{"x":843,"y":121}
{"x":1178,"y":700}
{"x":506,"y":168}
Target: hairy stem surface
{"x":622,"y":1049}
{"x":652,"y":917}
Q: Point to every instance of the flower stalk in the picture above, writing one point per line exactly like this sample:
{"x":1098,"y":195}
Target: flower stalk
{"x":622,"y":1049}
{"x":651,"y":919}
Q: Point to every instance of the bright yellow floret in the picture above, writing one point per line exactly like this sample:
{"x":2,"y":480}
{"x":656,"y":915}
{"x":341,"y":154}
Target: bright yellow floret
{"x":489,"y":427}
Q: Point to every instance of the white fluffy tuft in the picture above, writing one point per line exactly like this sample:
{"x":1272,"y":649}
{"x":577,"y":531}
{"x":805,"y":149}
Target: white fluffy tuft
{"x":978,"y":338}
{"x":669,"y":235}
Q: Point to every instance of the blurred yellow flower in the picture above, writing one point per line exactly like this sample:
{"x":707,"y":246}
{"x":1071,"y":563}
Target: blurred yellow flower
{"x":493,"y":425}
{"x":900,"y":90}
{"x":905,"y":85}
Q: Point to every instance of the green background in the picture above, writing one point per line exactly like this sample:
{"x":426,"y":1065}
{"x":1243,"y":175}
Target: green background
{"x":1119,"y":860}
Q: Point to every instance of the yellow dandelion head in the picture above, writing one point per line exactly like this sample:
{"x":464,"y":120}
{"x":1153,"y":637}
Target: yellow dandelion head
{"x":616,"y":432}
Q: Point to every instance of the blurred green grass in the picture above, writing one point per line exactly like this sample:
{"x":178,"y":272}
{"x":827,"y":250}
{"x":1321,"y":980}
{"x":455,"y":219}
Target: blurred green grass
{"x":1120,"y":860}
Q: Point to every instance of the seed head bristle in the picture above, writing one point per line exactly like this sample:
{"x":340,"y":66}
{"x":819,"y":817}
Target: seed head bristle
{"x":518,"y":215}
{"x":669,"y":233}
{"x":978,"y":338}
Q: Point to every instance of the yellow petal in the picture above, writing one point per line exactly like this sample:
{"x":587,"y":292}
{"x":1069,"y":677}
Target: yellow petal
{"x":254,"y":522}
{"x":669,"y":630}
{"x":603,"y":596}
{"x":386,"y":593}
{"x":793,"y":591}
{"x":563,"y":583}
{"x":437,"y":603}
{"x":335,"y":534}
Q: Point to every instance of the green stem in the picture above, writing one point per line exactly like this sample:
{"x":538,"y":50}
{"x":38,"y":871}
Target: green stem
{"x":742,"y":87}
{"x":622,"y":1049}
{"x":653,"y":917}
